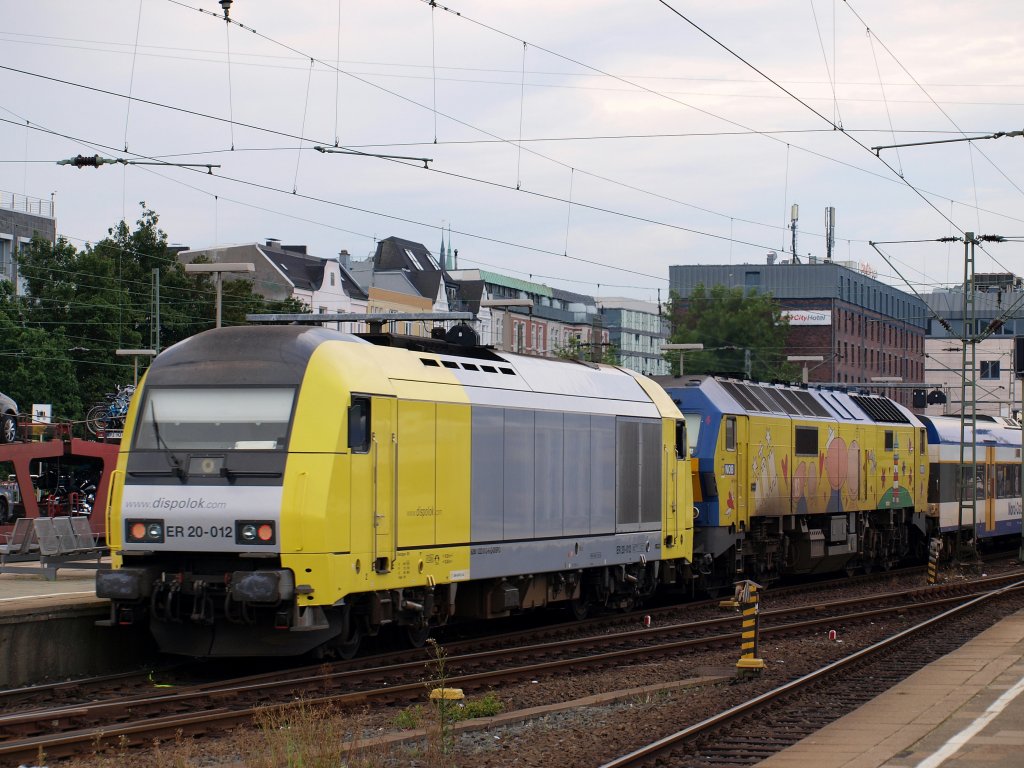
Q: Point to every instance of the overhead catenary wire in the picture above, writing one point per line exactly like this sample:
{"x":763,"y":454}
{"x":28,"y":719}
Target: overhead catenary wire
{"x":468,"y":177}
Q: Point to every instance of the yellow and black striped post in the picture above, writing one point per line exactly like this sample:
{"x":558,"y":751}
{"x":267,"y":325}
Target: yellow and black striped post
{"x":746,"y":593}
{"x":934,"y":548}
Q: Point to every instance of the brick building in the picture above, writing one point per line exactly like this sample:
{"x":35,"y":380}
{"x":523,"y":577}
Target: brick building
{"x":862,"y":328}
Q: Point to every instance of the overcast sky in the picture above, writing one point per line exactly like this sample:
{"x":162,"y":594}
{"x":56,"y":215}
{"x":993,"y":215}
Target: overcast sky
{"x":588,"y":145}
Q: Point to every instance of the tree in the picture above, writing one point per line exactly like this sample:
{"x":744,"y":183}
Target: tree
{"x":35,"y":362}
{"x":741,"y":334}
{"x":575,"y":349}
{"x":94,"y":301}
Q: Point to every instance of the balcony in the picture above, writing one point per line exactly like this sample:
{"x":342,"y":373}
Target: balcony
{"x":33,"y":206}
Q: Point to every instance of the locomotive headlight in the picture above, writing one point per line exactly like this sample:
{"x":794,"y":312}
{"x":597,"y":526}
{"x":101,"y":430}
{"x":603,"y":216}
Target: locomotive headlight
{"x":259,"y":532}
{"x":144,"y":531}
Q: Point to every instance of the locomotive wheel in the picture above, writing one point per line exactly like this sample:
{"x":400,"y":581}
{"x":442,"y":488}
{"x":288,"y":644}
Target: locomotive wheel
{"x":579,"y":608}
{"x":351,"y":636}
{"x":417,"y":635}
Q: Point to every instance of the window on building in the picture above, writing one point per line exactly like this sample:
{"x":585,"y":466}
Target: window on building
{"x":332,"y":278}
{"x":6,"y":259}
{"x":990,"y":369}
{"x":752,"y":279}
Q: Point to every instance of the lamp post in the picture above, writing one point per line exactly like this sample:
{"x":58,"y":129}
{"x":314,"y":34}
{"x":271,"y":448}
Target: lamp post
{"x":218,"y":270}
{"x":805,"y":359}
{"x":681,"y":348}
{"x":135,"y":355}
{"x":506,"y":331}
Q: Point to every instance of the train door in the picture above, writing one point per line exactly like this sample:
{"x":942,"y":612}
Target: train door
{"x":373,"y":445}
{"x":741,"y":429}
{"x":990,"y":489}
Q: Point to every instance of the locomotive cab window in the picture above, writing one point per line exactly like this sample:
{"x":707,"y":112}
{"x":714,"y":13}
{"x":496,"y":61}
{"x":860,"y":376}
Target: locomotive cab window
{"x":359,"y":425}
{"x":730,"y":433}
{"x":889,"y":439}
{"x":681,"y":439}
{"x":215,"y":418}
{"x":805,"y":441}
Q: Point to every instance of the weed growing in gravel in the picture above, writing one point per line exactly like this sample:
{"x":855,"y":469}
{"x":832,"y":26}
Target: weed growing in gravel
{"x":303,"y":735}
{"x":413,"y":717}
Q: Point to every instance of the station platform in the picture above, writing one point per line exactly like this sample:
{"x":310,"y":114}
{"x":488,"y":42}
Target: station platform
{"x":965,"y":710}
{"x":48,"y":630}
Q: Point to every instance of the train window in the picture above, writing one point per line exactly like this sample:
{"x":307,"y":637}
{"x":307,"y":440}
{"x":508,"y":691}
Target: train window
{"x":922,"y":441}
{"x":805,"y":441}
{"x":693,"y":424}
{"x":489,"y":369}
{"x":215,"y":418}
{"x":470,"y":367}
{"x":680,"y":439}
{"x":889,"y":440}
{"x":449,"y":364}
{"x":359,"y":425}
{"x":730,"y":433}
{"x":508,"y":371}
{"x":428,"y":362}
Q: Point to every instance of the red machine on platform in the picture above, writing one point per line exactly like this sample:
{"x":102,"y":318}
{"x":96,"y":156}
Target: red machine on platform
{"x":58,"y":444}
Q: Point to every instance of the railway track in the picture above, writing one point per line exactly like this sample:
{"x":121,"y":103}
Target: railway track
{"x":72,"y":728}
{"x":767,"y":723}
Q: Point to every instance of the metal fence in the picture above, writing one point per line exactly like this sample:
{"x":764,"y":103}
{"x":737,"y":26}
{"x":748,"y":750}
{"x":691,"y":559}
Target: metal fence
{"x":12,"y":201}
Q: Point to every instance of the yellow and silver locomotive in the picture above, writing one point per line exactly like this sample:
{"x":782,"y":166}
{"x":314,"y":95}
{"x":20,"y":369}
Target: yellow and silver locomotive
{"x":283,"y":489}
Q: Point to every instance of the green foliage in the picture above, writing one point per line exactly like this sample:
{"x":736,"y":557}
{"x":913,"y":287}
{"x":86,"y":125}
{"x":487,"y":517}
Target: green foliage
{"x":57,"y":343}
{"x":737,"y":330}
{"x":456,"y":711}
{"x":575,"y":349}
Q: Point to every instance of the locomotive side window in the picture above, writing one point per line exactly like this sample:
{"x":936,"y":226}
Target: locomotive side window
{"x":680,"y":439}
{"x":888,"y":439}
{"x":730,"y":433}
{"x":806,"y":441}
{"x":359,"y":425}
{"x":922,"y":441}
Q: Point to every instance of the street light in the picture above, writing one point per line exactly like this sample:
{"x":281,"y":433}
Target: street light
{"x":681,"y":348}
{"x":218,"y":270}
{"x":135,"y":355}
{"x":506,"y":331}
{"x":805,"y":359}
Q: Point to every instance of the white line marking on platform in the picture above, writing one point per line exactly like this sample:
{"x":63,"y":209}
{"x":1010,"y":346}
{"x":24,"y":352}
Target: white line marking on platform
{"x":52,"y":594}
{"x":952,"y":746}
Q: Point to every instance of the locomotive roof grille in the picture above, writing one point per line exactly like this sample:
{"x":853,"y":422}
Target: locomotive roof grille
{"x":775,"y":400}
{"x":880,"y":409}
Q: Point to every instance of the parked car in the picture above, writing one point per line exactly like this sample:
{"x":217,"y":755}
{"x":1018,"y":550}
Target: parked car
{"x":8,"y":419}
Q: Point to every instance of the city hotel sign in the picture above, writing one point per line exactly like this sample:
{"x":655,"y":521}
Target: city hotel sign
{"x":808,"y":316}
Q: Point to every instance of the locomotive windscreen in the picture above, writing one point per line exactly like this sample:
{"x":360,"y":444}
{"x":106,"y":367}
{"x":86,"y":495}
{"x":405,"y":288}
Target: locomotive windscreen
{"x":214,"y":418}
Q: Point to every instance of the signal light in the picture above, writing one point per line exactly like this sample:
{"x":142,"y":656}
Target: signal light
{"x":144,"y":531}
{"x":255,"y":532}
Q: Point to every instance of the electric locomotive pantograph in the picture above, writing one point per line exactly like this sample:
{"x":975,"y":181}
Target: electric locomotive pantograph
{"x":791,"y":480}
{"x":284,"y":489}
